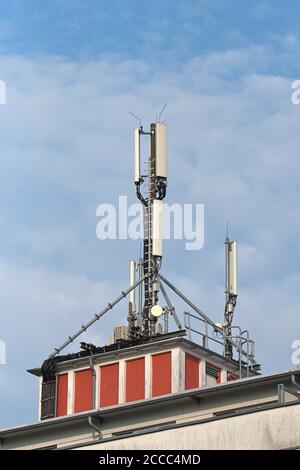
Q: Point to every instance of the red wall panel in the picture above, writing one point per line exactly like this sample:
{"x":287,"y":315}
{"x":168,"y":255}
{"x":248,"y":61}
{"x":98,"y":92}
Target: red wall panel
{"x":62,"y":395}
{"x":135,"y":379}
{"x":231,"y":377}
{"x":109,"y":385}
{"x":83,"y":390}
{"x":161,"y":374}
{"x":191,"y":372}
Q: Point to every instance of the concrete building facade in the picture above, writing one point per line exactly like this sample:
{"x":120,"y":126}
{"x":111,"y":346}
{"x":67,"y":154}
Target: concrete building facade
{"x":217,"y":412}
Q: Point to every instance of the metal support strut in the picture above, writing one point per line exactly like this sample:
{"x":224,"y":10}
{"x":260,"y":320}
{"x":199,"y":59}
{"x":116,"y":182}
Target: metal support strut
{"x":202,"y":314}
{"x":96,"y":317}
{"x":170,"y":307}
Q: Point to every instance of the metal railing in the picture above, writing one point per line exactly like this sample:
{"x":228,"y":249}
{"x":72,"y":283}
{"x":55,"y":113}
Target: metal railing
{"x":212,"y":337}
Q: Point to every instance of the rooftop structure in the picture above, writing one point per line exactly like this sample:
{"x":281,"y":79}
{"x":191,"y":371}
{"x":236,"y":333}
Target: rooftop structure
{"x":149,"y":364}
{"x":152,"y":380}
{"x":258,"y":412}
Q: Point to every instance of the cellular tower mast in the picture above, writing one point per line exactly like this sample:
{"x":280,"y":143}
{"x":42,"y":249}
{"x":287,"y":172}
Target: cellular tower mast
{"x":147,"y":281}
{"x":149,"y":388}
{"x":151,"y":189}
{"x":144,"y":359}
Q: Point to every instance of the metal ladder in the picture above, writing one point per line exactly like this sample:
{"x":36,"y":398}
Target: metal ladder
{"x":148,"y":253}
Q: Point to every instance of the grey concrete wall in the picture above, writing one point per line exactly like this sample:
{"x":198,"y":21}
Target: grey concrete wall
{"x":277,"y":428}
{"x":182,"y":410}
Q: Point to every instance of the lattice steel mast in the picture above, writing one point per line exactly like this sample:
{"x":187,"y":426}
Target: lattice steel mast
{"x":155,"y":180}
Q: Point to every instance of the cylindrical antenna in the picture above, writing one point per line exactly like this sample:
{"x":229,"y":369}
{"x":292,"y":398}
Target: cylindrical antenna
{"x":131,"y":283}
{"x":140,"y":291}
{"x":226,"y":244}
{"x":137,"y":156}
{"x":230,"y":291}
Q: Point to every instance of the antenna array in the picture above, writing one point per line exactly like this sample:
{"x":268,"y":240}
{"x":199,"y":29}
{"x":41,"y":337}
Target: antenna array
{"x":151,"y":190}
{"x":145,"y":277}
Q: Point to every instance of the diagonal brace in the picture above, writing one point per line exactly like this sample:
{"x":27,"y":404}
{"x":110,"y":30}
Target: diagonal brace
{"x":96,"y":317}
{"x":170,"y":306}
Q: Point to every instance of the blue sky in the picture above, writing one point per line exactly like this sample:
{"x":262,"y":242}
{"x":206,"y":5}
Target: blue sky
{"x":173,"y":30}
{"x":73,"y":69}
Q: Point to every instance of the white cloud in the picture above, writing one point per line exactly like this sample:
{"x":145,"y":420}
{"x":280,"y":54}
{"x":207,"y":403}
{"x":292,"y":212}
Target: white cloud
{"x":66,"y":146}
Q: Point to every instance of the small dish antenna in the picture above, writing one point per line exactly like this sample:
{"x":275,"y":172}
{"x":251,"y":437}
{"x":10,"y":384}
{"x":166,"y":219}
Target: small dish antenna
{"x":157,"y":311}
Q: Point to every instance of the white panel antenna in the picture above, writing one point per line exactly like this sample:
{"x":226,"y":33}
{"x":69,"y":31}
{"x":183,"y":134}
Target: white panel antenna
{"x":157,"y":225}
{"x":137,"y":155}
{"x":161,"y":149}
{"x":233,"y":276}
